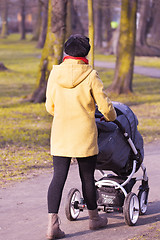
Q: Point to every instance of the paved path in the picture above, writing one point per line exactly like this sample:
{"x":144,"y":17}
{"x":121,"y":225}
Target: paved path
{"x":23,"y":208}
{"x":147,"y":71}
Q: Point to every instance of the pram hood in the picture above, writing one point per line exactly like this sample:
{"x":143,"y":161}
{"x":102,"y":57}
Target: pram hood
{"x":114,"y":151}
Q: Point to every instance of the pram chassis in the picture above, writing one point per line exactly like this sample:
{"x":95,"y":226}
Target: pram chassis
{"x":133,"y":206}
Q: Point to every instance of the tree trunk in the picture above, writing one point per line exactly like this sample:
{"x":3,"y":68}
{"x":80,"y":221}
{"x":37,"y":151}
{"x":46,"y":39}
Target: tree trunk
{"x":91,"y":31}
{"x":143,"y":48}
{"x":69,"y":18}
{"x":113,"y":44}
{"x":53,"y":48}
{"x":98,"y":22}
{"x":108,"y":14}
{"x":125,"y":56}
{"x":111,"y":36}
{"x":22,"y":20}
{"x":77,"y":25}
{"x":142,"y":30}
{"x":38,"y":21}
{"x":155,"y":29}
{"x":2,"y":67}
{"x":4,"y":12}
{"x":42,"y":36}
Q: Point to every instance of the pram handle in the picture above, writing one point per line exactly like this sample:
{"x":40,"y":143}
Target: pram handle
{"x":122,"y":129}
{"x":120,"y":126}
{"x":126,"y":136}
{"x":129,"y":140}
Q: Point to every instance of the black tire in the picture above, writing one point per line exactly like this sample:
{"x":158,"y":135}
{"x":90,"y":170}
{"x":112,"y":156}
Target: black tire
{"x":131,"y":209}
{"x":143,"y":201}
{"x":73,"y":199}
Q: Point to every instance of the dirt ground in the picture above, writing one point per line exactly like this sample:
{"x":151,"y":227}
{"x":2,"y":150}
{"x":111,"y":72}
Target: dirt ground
{"x":23,"y":209}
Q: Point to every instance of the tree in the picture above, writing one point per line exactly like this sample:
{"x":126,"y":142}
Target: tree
{"x":22,"y":19}
{"x":4,"y":6}
{"x":155,"y":17}
{"x":2,"y":67}
{"x":4,"y":31}
{"x":112,"y":35}
{"x":98,"y":22}
{"x":69,"y":18}
{"x":107,"y":8}
{"x":91,"y":31}
{"x":146,"y":19}
{"x":76,"y":20}
{"x":122,"y":82}
{"x":38,"y":20}
{"x":53,"y":48}
{"x":43,"y":28}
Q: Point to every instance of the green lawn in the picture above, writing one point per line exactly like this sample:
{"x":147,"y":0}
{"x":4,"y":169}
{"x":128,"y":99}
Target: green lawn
{"x":139,"y":61}
{"x":145,"y":102}
{"x":25,"y":127}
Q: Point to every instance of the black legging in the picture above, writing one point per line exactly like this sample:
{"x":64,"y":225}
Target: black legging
{"x":61,"y":168}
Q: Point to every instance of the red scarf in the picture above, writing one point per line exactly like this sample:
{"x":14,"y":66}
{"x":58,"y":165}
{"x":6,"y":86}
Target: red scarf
{"x":77,"y":58}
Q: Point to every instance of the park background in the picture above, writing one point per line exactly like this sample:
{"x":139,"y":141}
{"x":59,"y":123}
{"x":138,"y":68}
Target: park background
{"x":32,"y":37}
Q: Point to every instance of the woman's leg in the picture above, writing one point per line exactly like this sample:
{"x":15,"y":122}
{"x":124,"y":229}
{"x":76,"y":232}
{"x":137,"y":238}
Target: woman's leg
{"x":61,"y":167}
{"x":86,"y":169}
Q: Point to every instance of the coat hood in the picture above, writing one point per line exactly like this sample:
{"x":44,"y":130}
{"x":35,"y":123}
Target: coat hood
{"x":71,"y":73}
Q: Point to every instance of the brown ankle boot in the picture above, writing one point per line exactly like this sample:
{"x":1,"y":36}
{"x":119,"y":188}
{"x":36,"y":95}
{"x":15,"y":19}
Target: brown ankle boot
{"x":53,"y":231}
{"x":95,"y":221}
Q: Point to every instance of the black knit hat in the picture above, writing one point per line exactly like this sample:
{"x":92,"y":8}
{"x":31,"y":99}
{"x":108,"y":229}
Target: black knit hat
{"x":77,"y":46}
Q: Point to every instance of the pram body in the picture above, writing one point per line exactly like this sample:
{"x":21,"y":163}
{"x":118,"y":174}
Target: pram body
{"x":121,"y":152}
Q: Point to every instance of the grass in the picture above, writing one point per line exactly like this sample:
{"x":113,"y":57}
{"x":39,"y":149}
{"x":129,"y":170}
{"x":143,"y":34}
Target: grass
{"x":139,"y":61}
{"x":145,"y":102}
{"x":152,"y":233}
{"x":25,"y":127}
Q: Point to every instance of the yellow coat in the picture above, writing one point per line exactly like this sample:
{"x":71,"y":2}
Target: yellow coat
{"x":73,"y":89}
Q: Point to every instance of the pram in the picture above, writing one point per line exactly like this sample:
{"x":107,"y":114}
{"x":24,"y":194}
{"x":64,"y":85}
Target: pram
{"x":120,"y":151}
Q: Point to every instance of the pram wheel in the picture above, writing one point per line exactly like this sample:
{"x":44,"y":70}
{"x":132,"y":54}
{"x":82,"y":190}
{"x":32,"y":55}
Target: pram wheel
{"x":143,"y":201}
{"x":131,"y":209}
{"x":71,"y":208}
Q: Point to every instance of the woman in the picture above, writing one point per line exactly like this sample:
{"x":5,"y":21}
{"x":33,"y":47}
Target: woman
{"x":72,"y":91}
